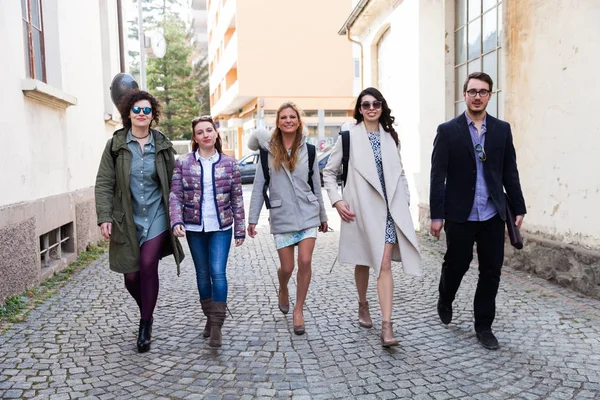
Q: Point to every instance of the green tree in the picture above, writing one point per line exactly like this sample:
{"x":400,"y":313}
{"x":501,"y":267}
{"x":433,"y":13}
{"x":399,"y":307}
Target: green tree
{"x":200,"y":78}
{"x":169,"y":79}
{"x":154,"y":13}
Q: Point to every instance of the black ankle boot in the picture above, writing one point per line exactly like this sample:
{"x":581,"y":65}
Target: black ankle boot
{"x":144,"y":336}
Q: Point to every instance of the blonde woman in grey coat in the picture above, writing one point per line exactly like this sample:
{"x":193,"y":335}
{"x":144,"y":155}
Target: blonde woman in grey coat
{"x":296,"y":213}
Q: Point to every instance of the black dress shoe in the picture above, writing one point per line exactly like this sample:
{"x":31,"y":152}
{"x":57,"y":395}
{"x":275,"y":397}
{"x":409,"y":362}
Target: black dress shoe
{"x":488,"y":340}
{"x":444,"y":311}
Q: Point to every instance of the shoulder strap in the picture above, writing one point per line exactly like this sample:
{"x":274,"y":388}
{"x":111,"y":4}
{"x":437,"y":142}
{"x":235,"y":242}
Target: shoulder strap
{"x":264,"y":162}
{"x":345,"y":154}
{"x":312,"y":151}
{"x":112,"y":153}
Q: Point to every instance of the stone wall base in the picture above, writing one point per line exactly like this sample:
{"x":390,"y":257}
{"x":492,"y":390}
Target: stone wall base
{"x":22,"y":226}
{"x":574,"y":267}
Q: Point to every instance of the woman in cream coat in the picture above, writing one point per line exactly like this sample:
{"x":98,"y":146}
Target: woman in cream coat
{"x":376,"y":223}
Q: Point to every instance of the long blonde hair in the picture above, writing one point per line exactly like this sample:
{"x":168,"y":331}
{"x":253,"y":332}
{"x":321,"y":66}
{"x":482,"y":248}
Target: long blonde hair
{"x":280,"y":155}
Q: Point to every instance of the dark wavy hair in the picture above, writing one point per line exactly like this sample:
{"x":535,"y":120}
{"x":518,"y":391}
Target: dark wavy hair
{"x":386,"y":120}
{"x":132,"y":97}
{"x":196,"y":121}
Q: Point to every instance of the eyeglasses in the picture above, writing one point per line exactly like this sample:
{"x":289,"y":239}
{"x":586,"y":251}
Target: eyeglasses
{"x":202,"y":118}
{"x":480,"y":152}
{"x":137,"y":110}
{"x":482,"y":93}
{"x":366,"y":105}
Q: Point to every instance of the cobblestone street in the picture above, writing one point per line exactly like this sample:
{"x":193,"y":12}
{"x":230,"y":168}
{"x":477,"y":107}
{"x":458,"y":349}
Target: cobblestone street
{"x":81,"y":342}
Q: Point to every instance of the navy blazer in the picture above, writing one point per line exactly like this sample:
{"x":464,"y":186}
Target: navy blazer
{"x":454,"y":171}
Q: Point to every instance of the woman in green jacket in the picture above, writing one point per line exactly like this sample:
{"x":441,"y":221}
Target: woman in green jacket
{"x":132,"y":203}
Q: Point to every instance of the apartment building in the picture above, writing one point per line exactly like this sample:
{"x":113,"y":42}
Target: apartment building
{"x":265,"y":52}
{"x":58,"y":62}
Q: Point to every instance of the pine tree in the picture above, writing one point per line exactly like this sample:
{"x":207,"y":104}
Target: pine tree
{"x":169,"y":79}
{"x":200,"y":77}
{"x":154,"y":13}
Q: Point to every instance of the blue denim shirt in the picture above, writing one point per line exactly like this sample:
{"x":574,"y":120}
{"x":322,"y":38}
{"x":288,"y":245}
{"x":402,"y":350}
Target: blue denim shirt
{"x":149,"y":213}
{"x":483,"y":206}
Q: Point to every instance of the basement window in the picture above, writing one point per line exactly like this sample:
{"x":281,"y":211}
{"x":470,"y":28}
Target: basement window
{"x":56,"y":245}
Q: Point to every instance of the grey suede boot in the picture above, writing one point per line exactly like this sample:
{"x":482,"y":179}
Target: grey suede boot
{"x":218,"y":318}
{"x":207,"y":310}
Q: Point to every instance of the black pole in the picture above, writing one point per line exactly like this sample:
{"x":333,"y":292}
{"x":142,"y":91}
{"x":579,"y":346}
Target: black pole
{"x":121,"y":41}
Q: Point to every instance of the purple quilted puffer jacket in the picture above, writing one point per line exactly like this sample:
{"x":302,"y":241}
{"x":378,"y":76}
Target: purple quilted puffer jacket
{"x":186,"y":193}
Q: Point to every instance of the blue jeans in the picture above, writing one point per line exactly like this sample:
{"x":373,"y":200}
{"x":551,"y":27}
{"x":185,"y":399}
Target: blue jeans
{"x":209,"y":252}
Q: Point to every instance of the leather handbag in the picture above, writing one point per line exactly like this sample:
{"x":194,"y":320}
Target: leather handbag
{"x":516,"y":240}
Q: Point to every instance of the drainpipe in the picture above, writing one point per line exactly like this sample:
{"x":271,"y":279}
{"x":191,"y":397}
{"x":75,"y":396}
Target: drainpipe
{"x":121,"y":40}
{"x":362,"y":82}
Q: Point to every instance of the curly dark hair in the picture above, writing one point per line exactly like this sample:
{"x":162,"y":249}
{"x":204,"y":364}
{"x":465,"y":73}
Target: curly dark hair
{"x":386,"y":120}
{"x":132,"y":97}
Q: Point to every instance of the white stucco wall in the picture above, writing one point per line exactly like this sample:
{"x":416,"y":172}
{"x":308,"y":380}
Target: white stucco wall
{"x":50,"y":151}
{"x":416,"y":91}
{"x":552,"y":103}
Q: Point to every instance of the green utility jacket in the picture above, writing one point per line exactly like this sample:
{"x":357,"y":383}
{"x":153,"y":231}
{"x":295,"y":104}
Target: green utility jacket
{"x":113,"y":200}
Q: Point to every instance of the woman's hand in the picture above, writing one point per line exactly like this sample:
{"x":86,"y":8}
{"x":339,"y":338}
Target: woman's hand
{"x":344,"y":210}
{"x":252,"y":230}
{"x":179,"y":230}
{"x":323,"y":227}
{"x":239,"y":242}
{"x":106,"y":229}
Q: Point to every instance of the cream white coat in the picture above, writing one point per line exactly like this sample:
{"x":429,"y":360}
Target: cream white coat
{"x":362,"y":241}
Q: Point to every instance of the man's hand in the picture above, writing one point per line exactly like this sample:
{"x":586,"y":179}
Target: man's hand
{"x":436,"y":228}
{"x":239,"y":242}
{"x":344,"y":210}
{"x":252,"y":230}
{"x":106,"y":229}
{"x":519,"y":221}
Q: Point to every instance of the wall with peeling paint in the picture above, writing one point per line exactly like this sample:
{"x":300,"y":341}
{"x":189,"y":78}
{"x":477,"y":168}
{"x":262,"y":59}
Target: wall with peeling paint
{"x":552,"y":99}
{"x":416,"y":90}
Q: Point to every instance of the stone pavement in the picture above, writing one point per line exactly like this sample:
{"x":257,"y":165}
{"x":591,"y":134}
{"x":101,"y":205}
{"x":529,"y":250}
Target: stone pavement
{"x":81,"y":342}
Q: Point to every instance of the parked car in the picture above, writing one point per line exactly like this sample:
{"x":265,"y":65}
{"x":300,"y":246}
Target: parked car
{"x":247,"y":166}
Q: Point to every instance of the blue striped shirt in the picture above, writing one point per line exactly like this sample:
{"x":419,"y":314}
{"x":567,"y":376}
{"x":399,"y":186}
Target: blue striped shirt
{"x":483,"y":206}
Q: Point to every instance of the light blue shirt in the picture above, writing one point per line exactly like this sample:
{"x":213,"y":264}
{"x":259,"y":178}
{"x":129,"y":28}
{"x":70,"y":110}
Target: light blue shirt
{"x":146,"y":198}
{"x":483,"y":205}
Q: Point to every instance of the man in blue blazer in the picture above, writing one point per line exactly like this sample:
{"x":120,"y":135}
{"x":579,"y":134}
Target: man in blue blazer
{"x":473,"y":162}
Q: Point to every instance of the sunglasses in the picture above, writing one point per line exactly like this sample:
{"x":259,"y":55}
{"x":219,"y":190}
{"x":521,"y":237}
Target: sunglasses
{"x":137,"y":110}
{"x":202,"y":118}
{"x":480,"y":152}
{"x":366,"y":105}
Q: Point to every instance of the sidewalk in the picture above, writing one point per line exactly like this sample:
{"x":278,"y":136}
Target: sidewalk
{"x":81,"y":342}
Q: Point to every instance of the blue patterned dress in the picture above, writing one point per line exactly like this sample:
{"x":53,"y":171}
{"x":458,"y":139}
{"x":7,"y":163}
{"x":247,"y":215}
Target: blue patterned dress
{"x":390,"y":226}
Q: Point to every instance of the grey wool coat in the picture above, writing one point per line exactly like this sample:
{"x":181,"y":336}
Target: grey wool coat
{"x":362,"y":241}
{"x":294,"y":206}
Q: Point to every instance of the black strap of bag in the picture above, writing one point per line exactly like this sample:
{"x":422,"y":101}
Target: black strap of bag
{"x":345,"y":154}
{"x":264,"y":162}
{"x":312,"y":152}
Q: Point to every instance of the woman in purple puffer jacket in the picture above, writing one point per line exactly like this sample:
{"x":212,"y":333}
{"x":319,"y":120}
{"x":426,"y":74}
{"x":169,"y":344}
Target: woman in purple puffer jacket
{"x":206,"y":204}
